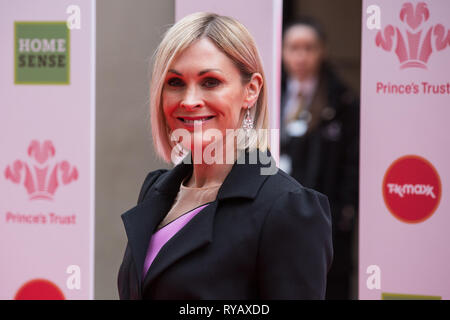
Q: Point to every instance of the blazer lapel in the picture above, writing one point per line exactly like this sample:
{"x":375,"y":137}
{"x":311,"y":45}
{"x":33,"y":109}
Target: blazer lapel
{"x":194,"y":235}
{"x":142,"y":220}
{"x":244,"y":180}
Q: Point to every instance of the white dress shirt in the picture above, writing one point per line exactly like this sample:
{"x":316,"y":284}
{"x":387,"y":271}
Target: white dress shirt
{"x":297,"y":128}
{"x":293,"y":88}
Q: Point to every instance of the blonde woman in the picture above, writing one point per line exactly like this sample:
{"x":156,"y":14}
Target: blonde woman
{"x":222,"y":223}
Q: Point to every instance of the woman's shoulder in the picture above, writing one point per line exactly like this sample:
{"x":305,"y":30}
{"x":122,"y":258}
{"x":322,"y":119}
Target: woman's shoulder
{"x":295,"y":240}
{"x":287,"y":196}
{"x":149,"y":180}
{"x":295,"y":208}
{"x":281,"y":183}
{"x":154,"y":174}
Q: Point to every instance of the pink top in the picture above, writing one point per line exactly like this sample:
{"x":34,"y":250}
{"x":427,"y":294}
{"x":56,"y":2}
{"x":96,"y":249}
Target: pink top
{"x":160,"y":237}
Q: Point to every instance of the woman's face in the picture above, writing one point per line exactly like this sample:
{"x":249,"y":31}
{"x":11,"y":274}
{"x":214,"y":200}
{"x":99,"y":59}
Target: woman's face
{"x":203,"y":84}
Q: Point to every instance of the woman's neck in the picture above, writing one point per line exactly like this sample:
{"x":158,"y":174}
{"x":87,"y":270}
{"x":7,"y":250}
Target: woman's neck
{"x":205,"y":175}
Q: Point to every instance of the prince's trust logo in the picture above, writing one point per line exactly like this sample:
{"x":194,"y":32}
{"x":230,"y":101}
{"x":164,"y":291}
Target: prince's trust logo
{"x":41,"y":175}
{"x":415,"y":39}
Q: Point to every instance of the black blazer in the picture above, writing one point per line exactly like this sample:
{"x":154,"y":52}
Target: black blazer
{"x":264,"y":237}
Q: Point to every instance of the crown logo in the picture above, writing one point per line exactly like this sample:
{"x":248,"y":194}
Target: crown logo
{"x":41,"y":175}
{"x":414,"y":45}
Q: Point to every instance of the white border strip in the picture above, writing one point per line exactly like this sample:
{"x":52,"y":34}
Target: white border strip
{"x":92,"y":151}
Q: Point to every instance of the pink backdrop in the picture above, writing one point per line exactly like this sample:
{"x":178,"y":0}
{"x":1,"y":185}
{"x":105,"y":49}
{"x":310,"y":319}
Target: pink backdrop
{"x":400,"y":118}
{"x":63,"y":115}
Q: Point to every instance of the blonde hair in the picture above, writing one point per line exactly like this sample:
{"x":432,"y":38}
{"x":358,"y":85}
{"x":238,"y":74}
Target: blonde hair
{"x":233,"y":39}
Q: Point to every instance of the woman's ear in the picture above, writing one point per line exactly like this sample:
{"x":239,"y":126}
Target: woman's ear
{"x":253,"y":88}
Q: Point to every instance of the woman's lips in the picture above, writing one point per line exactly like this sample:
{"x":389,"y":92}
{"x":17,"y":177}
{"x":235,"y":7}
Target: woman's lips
{"x":191,"y":121}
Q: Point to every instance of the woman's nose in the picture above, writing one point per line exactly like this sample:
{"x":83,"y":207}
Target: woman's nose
{"x":191,"y":99}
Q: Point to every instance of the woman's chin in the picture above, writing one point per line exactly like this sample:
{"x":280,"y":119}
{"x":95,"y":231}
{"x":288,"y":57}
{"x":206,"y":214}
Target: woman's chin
{"x":204,"y":145}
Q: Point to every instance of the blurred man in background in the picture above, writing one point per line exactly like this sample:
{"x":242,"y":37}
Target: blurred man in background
{"x":320,"y":139}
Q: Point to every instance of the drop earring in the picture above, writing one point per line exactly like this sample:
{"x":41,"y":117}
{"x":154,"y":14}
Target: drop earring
{"x":247,"y":124}
{"x":177,"y":142}
{"x":181,"y":149}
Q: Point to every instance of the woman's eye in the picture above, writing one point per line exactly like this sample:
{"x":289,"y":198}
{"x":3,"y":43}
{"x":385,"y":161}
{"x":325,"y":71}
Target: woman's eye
{"x":211,"y":82}
{"x":175,"y":82}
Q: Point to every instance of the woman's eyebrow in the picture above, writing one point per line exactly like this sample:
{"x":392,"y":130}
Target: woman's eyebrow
{"x":174,"y":71}
{"x":208,"y":70}
{"x":200,"y":73}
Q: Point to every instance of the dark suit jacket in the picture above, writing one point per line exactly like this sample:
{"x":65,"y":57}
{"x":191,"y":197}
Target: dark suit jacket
{"x":264,"y":237}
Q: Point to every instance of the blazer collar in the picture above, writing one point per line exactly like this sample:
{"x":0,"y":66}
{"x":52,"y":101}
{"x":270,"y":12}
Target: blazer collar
{"x":244,"y":180}
{"x":247,"y":168}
